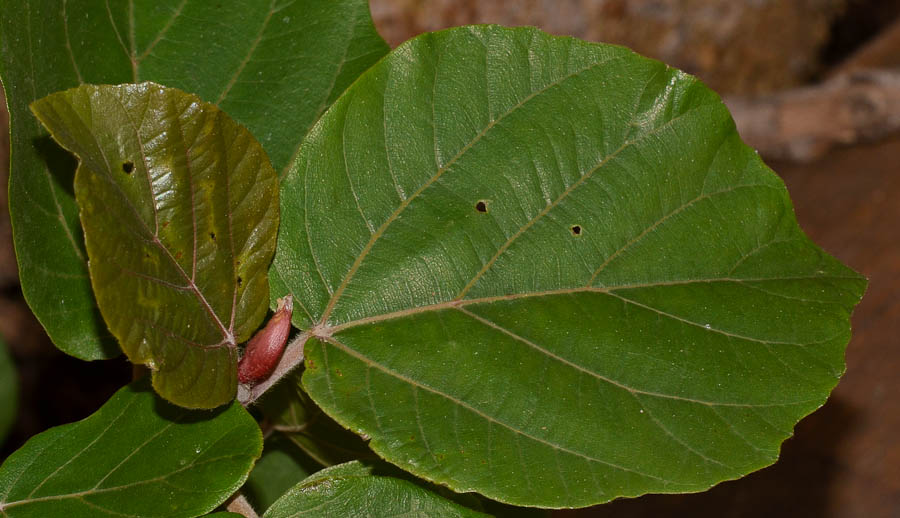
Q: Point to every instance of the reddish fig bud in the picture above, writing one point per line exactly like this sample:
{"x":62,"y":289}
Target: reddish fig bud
{"x":264,"y":350}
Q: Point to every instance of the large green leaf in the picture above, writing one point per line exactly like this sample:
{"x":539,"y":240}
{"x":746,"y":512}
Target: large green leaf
{"x":272,"y":65}
{"x":549,"y":271}
{"x":136,"y":456}
{"x":351,"y":490}
{"x":9,"y":392}
{"x":179,"y":206}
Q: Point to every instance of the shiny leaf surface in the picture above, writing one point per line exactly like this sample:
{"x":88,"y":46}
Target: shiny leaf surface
{"x":179,"y":206}
{"x":550,"y":272}
{"x":136,"y":456}
{"x":274,"y":66}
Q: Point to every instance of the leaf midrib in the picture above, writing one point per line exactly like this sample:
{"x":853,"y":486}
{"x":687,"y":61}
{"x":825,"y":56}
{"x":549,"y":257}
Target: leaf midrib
{"x":88,"y":492}
{"x":414,"y":383}
{"x":324,"y":331}
{"x":440,"y":172}
{"x":227,"y":333}
{"x":96,"y":489}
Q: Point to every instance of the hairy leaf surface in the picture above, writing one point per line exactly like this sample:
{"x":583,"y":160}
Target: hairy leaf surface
{"x":549,"y":271}
{"x":351,"y":490}
{"x":136,"y":456}
{"x":272,"y":65}
{"x":179,"y":206}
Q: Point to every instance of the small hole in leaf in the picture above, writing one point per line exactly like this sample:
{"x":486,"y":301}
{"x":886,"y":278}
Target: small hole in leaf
{"x":212,"y":235}
{"x":481,"y":206}
{"x":576,"y":230}
{"x":240,"y":281}
{"x":128,"y":166}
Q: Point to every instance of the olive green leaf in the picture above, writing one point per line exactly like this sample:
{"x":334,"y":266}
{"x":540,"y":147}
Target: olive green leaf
{"x":352,"y":490}
{"x":179,"y":208}
{"x":9,"y":392}
{"x":273,"y":65}
{"x":550,"y":272}
{"x":136,"y":456}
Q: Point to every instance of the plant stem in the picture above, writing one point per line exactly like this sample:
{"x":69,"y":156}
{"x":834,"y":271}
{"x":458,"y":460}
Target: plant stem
{"x":239,"y":504}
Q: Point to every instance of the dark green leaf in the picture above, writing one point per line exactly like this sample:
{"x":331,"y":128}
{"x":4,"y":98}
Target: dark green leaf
{"x":9,"y":392}
{"x":351,"y":490}
{"x":136,"y":456}
{"x":549,"y":271}
{"x":292,"y":413}
{"x":179,"y":208}
{"x":273,"y":66}
{"x":280,"y":468}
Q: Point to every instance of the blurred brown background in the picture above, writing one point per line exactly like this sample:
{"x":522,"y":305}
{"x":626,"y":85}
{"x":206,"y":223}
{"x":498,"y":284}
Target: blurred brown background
{"x":813,"y":84}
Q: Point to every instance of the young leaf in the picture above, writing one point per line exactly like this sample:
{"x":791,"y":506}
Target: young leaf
{"x":273,"y":66}
{"x":179,"y":208}
{"x":549,"y":271}
{"x":136,"y":456}
{"x":345,"y":489}
{"x":9,"y":392}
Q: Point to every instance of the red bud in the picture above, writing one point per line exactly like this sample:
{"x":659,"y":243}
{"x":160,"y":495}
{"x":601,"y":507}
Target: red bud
{"x":264,"y":350}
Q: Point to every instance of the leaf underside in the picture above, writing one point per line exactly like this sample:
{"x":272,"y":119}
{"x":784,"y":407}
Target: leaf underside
{"x":136,"y":456}
{"x":273,"y":66}
{"x":179,"y":206}
{"x":550,"y":272}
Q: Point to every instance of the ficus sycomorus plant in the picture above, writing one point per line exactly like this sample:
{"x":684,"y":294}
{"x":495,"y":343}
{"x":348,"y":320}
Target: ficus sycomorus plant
{"x":517,"y":269}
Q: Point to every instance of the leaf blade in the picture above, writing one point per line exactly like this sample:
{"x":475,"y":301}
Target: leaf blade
{"x":344,"y":489}
{"x":136,"y":455}
{"x":178,"y":203}
{"x":55,"y":47}
{"x":558,"y":254}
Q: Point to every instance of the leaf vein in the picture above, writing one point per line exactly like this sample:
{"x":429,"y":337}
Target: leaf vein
{"x":250,"y":53}
{"x":68,"y":41}
{"x":490,"y":419}
{"x":440,"y":172}
{"x":675,"y":438}
{"x":711,"y":329}
{"x":84,"y":449}
{"x":615,"y":383}
{"x":159,"y":36}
